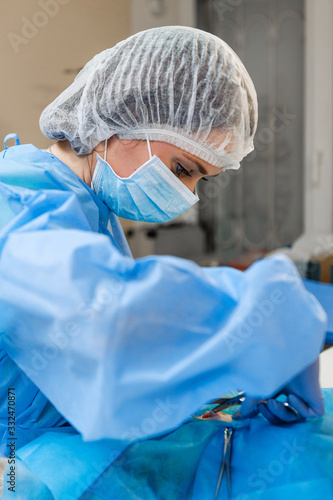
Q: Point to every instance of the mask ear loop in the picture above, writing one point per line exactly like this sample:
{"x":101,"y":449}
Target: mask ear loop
{"x":106,"y":147}
{"x":148,"y":144}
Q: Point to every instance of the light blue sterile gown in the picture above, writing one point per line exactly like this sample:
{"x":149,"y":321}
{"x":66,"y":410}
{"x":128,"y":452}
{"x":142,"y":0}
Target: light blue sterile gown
{"x":102,"y":350}
{"x":324,"y":294}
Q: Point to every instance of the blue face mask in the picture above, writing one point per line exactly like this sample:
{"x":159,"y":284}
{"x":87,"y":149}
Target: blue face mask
{"x":151,"y":194}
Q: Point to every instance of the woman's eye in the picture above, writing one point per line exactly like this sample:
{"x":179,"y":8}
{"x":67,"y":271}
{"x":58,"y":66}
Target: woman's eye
{"x":181,"y":170}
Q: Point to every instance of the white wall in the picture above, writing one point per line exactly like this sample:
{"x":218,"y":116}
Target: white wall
{"x":43,"y":43}
{"x":318,"y":207}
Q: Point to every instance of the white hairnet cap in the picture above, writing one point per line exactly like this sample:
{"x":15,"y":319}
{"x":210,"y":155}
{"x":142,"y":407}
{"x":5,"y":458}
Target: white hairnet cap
{"x":174,"y":84}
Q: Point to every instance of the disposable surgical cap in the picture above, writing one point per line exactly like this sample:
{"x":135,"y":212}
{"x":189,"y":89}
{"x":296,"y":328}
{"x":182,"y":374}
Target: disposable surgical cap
{"x":174,"y":84}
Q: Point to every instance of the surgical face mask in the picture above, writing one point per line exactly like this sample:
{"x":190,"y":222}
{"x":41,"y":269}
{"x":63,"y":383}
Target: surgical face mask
{"x":151,"y":194}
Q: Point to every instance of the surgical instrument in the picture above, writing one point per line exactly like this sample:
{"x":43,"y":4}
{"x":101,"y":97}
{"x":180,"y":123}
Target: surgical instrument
{"x":224,"y":403}
{"x":226,"y":461}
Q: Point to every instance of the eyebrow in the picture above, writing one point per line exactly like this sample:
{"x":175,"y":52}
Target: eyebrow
{"x":201,"y":169}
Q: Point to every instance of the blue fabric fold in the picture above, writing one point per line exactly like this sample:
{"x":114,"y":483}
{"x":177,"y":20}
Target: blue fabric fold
{"x":106,"y":350}
{"x":268,"y":462}
{"x":324,"y":294}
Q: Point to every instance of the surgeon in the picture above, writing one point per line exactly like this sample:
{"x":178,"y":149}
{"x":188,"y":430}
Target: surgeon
{"x":116,"y":347}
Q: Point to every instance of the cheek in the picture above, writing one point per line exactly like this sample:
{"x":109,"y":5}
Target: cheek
{"x":189,"y":183}
{"x":127,"y":163}
{"x":123,"y":170}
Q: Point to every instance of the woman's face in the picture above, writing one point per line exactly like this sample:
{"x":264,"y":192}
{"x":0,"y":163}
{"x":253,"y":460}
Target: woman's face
{"x":126,"y":156}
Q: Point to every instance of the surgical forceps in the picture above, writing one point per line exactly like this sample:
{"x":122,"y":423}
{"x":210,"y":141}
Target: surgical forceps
{"x":226,"y":461}
{"x":225,"y":403}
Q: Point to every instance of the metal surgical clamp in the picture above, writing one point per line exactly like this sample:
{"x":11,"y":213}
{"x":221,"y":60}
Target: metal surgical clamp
{"x":226,"y":461}
{"x":225,"y":403}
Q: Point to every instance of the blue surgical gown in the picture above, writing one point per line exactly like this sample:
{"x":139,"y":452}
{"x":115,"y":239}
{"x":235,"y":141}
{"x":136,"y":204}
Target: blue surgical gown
{"x":103,"y":349}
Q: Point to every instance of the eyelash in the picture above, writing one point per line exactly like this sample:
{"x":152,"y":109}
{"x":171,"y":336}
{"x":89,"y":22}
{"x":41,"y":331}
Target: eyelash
{"x":182,"y":170}
{"x":186,"y":172}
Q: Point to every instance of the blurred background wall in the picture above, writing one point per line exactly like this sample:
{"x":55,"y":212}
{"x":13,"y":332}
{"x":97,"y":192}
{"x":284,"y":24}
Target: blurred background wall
{"x":43,"y":45}
{"x":283,"y":190}
{"x":285,"y":185}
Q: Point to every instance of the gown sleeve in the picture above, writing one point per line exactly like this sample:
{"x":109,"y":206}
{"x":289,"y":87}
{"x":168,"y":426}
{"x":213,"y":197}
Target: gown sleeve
{"x":126,"y":348}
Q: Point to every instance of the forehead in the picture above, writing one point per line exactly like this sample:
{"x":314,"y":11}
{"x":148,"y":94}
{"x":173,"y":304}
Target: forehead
{"x":203,"y":166}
